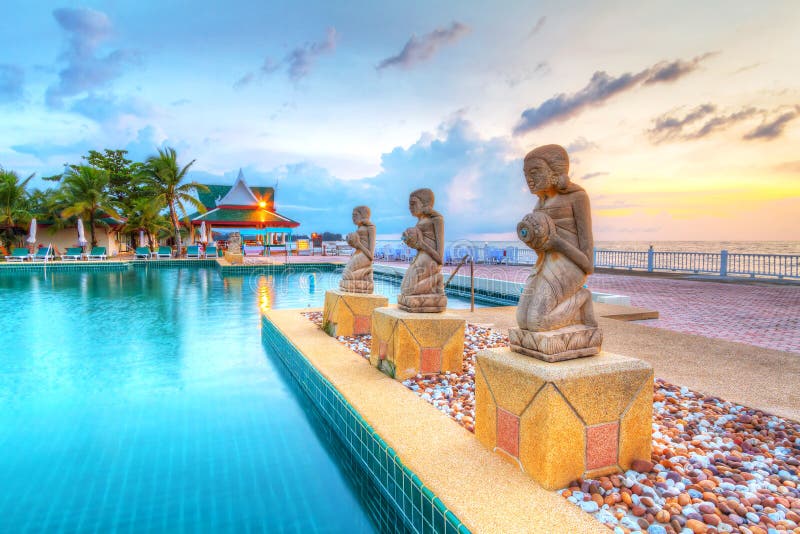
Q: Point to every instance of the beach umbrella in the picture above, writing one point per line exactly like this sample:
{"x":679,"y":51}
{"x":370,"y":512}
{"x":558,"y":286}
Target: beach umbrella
{"x":142,"y":242}
{"x":32,"y":235}
{"x":81,"y":235}
{"x":203,"y":235}
{"x":210,"y":236}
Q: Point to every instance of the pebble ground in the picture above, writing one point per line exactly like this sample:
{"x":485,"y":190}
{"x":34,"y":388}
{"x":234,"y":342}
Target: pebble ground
{"x":715,"y":467}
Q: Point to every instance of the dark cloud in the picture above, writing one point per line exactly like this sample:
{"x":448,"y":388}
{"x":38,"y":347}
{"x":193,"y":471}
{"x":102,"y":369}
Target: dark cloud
{"x":85,"y":69}
{"x":538,"y":26}
{"x":704,"y":120}
{"x":591,"y":175}
{"x":299,"y":62}
{"x":600,"y":88}
{"x":12,"y":80}
{"x":579,"y":145}
{"x":668,"y":127}
{"x":669,"y":71}
{"x":301,"y":59}
{"x":420,"y":49}
{"x":773,"y":128}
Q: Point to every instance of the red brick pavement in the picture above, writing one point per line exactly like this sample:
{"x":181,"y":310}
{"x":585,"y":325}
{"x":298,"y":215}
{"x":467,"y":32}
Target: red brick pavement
{"x":761,"y":315}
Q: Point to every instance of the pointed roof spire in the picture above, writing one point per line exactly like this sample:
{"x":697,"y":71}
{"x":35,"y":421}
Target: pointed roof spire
{"x":238,"y":195}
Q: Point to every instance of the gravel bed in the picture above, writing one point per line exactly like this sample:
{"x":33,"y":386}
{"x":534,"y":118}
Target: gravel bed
{"x":716,"y":466}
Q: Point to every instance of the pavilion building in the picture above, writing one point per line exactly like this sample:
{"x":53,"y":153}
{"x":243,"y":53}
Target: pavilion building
{"x":247,"y":210}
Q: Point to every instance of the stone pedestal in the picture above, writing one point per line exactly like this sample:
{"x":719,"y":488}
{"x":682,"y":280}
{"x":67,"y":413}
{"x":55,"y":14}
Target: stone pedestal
{"x":405,"y":344}
{"x":350,"y":314}
{"x":559,"y":421}
{"x":234,"y":259}
{"x":566,"y":343}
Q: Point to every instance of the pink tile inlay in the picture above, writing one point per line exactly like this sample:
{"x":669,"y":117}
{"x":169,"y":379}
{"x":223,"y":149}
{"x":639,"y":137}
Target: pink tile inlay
{"x":601,"y":445}
{"x":430,"y":360}
{"x":508,"y":432}
{"x":362,"y":324}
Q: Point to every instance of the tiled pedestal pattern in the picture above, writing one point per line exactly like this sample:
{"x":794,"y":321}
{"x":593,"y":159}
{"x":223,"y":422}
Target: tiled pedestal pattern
{"x":590,"y":416}
{"x":350,"y":314}
{"x":405,"y":344}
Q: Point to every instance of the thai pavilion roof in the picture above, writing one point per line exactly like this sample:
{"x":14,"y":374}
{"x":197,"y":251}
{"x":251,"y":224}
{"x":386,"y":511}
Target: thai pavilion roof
{"x":239,"y":205}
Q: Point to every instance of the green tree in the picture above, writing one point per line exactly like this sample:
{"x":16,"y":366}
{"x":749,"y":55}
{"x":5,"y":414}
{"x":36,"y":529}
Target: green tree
{"x":165,"y":178}
{"x":14,"y":205}
{"x":144,"y":214}
{"x":84,"y":192}
{"x":124,"y":180}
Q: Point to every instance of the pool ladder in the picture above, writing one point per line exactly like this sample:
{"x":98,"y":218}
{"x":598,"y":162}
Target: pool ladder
{"x":467,"y":257}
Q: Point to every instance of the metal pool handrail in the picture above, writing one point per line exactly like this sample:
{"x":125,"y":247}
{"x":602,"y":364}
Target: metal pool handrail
{"x":721,"y":263}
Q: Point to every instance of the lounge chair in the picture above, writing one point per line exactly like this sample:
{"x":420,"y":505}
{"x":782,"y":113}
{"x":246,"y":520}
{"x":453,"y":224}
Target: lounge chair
{"x":18,"y":254}
{"x":97,"y":253}
{"x":72,"y":254}
{"x":211,"y":252}
{"x":193,"y":251}
{"x":142,"y":253}
{"x":163,"y":252}
{"x":43,"y":254}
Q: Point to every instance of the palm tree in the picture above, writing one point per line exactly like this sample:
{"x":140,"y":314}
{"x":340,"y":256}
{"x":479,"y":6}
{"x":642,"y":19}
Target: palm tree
{"x":14,"y":205}
{"x":84,"y":190}
{"x":144,"y":214}
{"x":165,"y":178}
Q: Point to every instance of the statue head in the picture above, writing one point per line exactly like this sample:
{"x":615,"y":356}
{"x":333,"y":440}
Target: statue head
{"x":420,"y":202}
{"x":546,"y":169}
{"x":361,"y":215}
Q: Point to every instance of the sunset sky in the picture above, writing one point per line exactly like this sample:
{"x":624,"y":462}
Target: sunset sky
{"x":682,"y":118}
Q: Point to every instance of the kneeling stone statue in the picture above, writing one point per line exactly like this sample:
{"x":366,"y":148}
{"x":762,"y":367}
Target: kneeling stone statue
{"x":555,"y":316}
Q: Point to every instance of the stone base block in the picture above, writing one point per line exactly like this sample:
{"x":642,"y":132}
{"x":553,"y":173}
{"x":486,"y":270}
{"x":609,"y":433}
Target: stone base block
{"x":559,"y":421}
{"x":350,"y":314}
{"x":405,"y":344}
{"x":234,"y":259}
{"x":433,"y":303}
{"x":565,"y":343}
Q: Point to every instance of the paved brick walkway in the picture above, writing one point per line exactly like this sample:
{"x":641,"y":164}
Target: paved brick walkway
{"x":762,"y":315}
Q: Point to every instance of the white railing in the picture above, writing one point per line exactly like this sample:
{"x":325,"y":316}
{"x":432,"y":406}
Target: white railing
{"x":721,"y":263}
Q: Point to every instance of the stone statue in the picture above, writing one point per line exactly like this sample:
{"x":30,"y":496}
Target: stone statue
{"x":422,"y":289}
{"x":357,"y":275}
{"x":555,"y":315}
{"x":235,"y":243}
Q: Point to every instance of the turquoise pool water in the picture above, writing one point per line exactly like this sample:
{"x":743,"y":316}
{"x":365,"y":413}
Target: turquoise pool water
{"x":144,"y":401}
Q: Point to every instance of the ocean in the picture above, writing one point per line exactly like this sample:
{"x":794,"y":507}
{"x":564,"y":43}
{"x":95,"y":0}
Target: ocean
{"x":741,"y":247}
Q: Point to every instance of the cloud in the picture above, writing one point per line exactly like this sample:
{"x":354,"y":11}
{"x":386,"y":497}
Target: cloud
{"x":591,"y":175}
{"x":45,"y":151}
{"x":180,"y":102}
{"x":540,"y":69}
{"x":418,"y":50}
{"x":600,"y":88}
{"x":538,"y":26}
{"x":299,"y":62}
{"x":463,"y":168}
{"x":704,"y":120}
{"x":107,"y":107}
{"x":85,"y":69}
{"x":791,"y":167}
{"x":673,"y":70}
{"x":12,"y":80}
{"x":579,"y":145}
{"x":773,"y":128}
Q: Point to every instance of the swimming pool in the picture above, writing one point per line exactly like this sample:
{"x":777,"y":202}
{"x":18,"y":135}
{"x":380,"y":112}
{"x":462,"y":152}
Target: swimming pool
{"x":144,"y":401}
